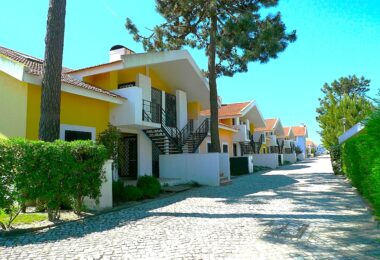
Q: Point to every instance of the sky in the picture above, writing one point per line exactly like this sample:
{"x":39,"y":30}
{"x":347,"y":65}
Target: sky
{"x":335,"y":38}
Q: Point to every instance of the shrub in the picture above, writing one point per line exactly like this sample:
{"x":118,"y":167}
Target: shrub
{"x":133,"y":193}
{"x":298,"y":150}
{"x":118,"y":191}
{"x":361,"y":161}
{"x":56,"y":172}
{"x":10,"y":196}
{"x":149,"y":186}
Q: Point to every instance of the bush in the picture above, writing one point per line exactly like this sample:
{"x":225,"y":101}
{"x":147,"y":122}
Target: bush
{"x":133,"y":193}
{"x":118,"y":191}
{"x":361,"y":161}
{"x":56,"y":172}
{"x":149,"y":186}
{"x":298,"y":150}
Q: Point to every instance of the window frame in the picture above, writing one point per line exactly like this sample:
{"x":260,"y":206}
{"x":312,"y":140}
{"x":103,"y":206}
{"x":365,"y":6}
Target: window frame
{"x":64,"y":128}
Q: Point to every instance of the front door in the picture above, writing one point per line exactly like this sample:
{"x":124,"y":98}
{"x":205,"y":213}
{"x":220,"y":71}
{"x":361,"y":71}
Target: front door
{"x":155,"y":161}
{"x":156,"y":96}
{"x":171,"y":110}
{"x":128,"y":157}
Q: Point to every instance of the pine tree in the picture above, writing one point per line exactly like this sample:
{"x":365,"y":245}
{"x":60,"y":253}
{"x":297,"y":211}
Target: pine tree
{"x":52,"y":68}
{"x":346,"y":100}
{"x":232,"y":34}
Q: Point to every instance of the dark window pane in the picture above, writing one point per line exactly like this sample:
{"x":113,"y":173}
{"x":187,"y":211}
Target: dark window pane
{"x":208,"y":147}
{"x":225,"y":148}
{"x":77,"y":135}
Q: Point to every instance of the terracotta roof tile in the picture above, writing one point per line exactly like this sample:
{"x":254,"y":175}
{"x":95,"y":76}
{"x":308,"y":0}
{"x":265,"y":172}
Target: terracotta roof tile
{"x":270,"y":123}
{"x":299,"y":130}
{"x":287,"y":131}
{"x":228,"y":110}
{"x":35,"y":66}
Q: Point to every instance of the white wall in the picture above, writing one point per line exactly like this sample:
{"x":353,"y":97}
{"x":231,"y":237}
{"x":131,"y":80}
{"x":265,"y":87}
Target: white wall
{"x":202,"y":168}
{"x":181,"y":106}
{"x":144,"y":154}
{"x":268,"y":160}
{"x":241,"y":136}
{"x":290,"y":157}
{"x":145,"y":84}
{"x":105,"y":199}
{"x":130,"y":112}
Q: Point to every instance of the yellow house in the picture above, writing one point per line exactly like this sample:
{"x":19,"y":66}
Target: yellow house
{"x":237,"y":122}
{"x":154,"y":99}
{"x":272,"y":135}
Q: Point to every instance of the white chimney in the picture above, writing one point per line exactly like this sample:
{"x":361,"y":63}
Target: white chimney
{"x":117,"y":51}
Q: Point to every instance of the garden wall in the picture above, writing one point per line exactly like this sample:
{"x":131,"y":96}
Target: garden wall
{"x":205,"y":169}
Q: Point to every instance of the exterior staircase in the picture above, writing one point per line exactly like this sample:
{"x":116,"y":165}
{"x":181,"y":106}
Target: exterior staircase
{"x":169,"y":139}
{"x":251,"y":147}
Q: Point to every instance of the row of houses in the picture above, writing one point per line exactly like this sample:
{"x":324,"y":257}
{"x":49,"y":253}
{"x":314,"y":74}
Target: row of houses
{"x":160,"y":103}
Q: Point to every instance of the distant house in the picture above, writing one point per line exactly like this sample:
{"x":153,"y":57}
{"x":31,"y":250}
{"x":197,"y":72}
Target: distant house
{"x":300,"y":133}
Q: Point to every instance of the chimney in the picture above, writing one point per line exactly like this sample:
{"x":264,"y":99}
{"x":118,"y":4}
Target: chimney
{"x":117,"y":51}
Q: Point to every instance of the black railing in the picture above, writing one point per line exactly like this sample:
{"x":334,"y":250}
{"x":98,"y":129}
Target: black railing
{"x":187,"y":130}
{"x":199,"y":134}
{"x":151,"y":112}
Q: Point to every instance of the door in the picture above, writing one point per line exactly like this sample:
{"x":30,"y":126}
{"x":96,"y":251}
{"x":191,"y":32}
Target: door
{"x":156,"y":96}
{"x":128,"y":157}
{"x":170,"y":110}
{"x":155,"y":161}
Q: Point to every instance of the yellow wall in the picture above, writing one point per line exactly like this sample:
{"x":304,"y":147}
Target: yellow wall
{"x":251,"y":128}
{"x":225,"y":136}
{"x":193,"y":110}
{"x":75,"y":110}
{"x":13,"y":95}
{"x":110,"y":80}
{"x":226,"y":121}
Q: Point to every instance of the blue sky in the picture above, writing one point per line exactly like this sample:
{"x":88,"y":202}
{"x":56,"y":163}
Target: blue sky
{"x":335,"y":38}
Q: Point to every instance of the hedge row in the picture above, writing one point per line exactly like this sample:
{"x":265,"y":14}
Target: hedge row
{"x":360,"y":161}
{"x":50,"y":173}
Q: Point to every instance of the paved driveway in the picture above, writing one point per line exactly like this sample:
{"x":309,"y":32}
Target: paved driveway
{"x":300,"y":211}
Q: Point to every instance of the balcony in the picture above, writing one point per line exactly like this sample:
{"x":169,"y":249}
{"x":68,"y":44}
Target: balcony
{"x":242,"y":135}
{"x":271,"y":140}
{"x":130,"y":113}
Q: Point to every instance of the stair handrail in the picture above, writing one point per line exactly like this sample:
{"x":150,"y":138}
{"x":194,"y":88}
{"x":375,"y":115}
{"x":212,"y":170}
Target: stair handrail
{"x":203,"y":130}
{"x":172,"y":132}
{"x":187,"y":130}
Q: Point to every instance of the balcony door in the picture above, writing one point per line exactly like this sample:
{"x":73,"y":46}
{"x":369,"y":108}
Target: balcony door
{"x":171,"y":110}
{"x":156,"y":98}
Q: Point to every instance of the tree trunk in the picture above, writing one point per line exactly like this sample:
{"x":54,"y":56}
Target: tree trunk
{"x":52,"y":68}
{"x":215,"y":143}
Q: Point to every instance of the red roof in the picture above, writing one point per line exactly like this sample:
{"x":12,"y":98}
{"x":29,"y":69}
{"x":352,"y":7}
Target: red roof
{"x":229,"y":110}
{"x":299,"y":130}
{"x":270,"y":123}
{"x":35,"y":66}
{"x":287,"y":130}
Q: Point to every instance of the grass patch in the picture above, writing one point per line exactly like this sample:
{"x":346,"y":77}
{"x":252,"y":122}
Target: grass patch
{"x":25,"y":218}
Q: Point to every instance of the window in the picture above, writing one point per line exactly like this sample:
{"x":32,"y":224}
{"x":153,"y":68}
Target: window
{"x":225,"y":148}
{"x":234,"y":147}
{"x":209,"y":147}
{"x":73,"y":132}
{"x":233,"y":121}
{"x":77,"y":135}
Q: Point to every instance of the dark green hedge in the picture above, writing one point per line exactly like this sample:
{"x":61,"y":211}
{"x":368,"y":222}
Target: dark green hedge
{"x":52,"y":173}
{"x":361,"y":161}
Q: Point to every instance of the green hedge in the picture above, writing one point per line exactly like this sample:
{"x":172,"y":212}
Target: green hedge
{"x":51,"y":173}
{"x":361,"y":161}
{"x":149,"y":186}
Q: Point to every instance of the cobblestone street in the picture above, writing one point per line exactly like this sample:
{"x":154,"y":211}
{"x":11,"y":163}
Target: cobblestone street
{"x":301,"y":211}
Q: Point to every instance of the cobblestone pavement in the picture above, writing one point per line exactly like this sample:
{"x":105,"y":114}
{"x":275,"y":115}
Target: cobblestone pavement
{"x":300,"y":211}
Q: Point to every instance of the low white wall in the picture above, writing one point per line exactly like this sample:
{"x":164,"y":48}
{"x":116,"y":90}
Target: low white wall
{"x":267,"y":160}
{"x":290,"y":157}
{"x":301,"y":156}
{"x":204,"y":169}
{"x":105,"y":199}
